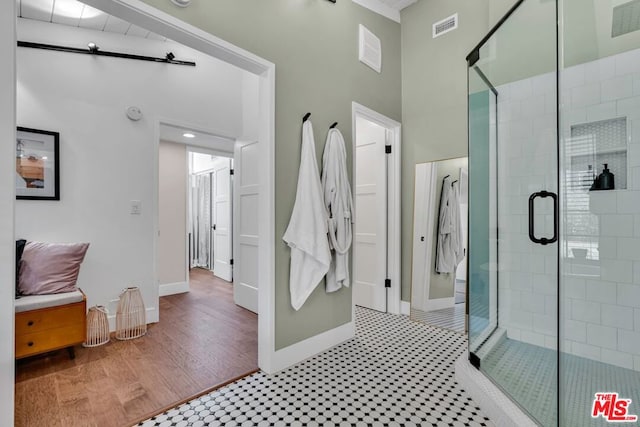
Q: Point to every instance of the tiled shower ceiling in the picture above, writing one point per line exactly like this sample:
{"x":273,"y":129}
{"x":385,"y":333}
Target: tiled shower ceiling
{"x":77,"y":14}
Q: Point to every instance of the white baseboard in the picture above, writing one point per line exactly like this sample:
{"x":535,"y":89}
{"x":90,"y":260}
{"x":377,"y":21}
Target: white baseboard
{"x":405,"y":308}
{"x":173,"y":288}
{"x":493,"y":402}
{"x":303,"y":350}
{"x":247,"y":295}
{"x":440,"y":303}
{"x":152,"y":317}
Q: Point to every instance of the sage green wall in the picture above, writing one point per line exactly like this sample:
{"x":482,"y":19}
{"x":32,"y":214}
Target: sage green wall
{"x":314,"y":46}
{"x":434,"y":95}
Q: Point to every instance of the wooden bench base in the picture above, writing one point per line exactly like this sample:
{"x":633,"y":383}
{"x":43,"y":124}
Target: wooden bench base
{"x":47,"y":329}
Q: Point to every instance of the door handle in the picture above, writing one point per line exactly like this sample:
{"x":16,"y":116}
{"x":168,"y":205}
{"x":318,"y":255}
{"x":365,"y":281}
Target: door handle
{"x":214,"y":227}
{"x":543,"y":240}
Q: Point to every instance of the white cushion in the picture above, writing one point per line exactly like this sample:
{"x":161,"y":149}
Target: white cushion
{"x":35,"y":302}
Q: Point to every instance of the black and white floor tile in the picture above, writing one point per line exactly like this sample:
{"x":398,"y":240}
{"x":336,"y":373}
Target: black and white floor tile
{"x":452,"y":318}
{"x":395,"y":372}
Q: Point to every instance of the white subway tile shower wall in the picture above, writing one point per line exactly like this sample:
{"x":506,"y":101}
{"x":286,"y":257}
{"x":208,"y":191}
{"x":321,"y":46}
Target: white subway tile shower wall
{"x":526,"y":164}
{"x":600,"y":305}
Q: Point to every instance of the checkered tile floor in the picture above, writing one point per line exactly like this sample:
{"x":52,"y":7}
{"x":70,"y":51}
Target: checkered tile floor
{"x":395,"y":372}
{"x":451,"y":318}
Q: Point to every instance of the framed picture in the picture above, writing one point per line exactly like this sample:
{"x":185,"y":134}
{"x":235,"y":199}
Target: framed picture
{"x":37,"y":164}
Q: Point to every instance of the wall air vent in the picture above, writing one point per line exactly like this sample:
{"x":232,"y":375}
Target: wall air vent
{"x":446,"y":25}
{"x":626,"y":18}
{"x":370,"y":49}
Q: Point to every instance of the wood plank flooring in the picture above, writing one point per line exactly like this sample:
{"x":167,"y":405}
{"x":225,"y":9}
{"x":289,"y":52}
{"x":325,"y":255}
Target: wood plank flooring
{"x":203,"y":339}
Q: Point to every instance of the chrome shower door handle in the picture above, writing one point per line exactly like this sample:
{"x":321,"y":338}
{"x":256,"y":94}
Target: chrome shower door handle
{"x":532,"y":236}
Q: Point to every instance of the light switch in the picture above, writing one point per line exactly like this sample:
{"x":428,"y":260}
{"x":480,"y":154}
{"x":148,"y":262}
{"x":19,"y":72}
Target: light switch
{"x":136,"y":207}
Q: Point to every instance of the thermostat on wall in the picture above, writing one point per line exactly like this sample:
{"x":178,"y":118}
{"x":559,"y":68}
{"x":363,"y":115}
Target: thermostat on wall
{"x":134,"y":113}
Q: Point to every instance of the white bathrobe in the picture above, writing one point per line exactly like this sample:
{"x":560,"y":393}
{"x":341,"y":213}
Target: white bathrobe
{"x":339,"y":205}
{"x":450,"y":248}
{"x":306,"y":234}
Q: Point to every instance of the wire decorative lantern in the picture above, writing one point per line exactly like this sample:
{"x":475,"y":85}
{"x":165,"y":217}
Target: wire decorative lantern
{"x":131,"y":320}
{"x":97,"y":327}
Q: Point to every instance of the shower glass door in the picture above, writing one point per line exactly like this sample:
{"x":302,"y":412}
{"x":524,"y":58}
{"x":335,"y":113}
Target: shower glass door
{"x":514,"y":205}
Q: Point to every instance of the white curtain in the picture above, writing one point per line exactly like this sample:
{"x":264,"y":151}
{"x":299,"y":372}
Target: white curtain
{"x":201,"y":220}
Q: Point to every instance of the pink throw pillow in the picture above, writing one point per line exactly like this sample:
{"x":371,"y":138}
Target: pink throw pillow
{"x":50,"y":268}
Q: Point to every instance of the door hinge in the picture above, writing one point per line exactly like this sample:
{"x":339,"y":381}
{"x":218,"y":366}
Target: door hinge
{"x":387,"y":283}
{"x":387,"y":149}
{"x":230,"y":171}
{"x":231,"y":262}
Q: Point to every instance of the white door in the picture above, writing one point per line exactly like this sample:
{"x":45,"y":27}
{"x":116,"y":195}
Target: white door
{"x":246,"y":195}
{"x":222,"y":251}
{"x":370,"y":228}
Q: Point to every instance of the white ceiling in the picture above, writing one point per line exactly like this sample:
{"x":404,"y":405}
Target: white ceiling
{"x":398,"y":4}
{"x":388,"y":8}
{"x":77,"y":14}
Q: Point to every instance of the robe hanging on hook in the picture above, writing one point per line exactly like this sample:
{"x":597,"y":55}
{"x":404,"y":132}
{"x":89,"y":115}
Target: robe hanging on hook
{"x":306,"y":117}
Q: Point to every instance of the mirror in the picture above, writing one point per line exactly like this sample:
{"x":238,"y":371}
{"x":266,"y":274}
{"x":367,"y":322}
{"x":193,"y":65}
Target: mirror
{"x":440,"y":218}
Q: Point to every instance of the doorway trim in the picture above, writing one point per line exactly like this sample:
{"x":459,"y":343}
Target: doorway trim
{"x":148,"y":17}
{"x":394,"y":196}
{"x":7,"y":206}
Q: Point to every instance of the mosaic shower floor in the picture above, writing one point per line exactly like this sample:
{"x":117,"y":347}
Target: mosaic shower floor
{"x":528,"y":373}
{"x":395,"y":372}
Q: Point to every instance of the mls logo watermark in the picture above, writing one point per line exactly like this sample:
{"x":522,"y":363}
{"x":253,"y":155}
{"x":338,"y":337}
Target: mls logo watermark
{"x":612,"y":408}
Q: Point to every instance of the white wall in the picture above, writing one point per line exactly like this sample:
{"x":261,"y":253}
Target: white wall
{"x":172,"y":207}
{"x":7,"y":200}
{"x":107,"y":160}
{"x":200,"y":162}
{"x":600,"y":296}
{"x":527,"y":164}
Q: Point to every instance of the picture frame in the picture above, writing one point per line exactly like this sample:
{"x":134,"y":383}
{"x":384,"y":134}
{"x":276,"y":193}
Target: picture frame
{"x":37,"y":164}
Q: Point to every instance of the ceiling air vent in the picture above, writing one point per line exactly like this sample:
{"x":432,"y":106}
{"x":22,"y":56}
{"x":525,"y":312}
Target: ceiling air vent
{"x":446,"y":25}
{"x":370,"y":52}
{"x":626,"y":18}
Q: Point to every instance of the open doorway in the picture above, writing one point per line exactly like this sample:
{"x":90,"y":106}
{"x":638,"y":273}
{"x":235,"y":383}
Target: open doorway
{"x":210,"y":213}
{"x":109,"y":198}
{"x":376,"y":241}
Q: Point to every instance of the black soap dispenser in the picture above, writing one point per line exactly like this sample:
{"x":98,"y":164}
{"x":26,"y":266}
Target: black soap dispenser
{"x":605,"y":179}
{"x":592,"y":179}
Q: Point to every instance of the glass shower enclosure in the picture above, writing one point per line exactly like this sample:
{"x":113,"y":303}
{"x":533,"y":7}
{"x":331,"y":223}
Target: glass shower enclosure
{"x":554,"y":210}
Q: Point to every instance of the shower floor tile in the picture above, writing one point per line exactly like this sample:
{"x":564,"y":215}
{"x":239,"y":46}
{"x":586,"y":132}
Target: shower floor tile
{"x":528,"y":373}
{"x":394,"y":372}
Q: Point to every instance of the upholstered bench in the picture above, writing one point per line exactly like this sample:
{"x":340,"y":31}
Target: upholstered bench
{"x":50,"y":322}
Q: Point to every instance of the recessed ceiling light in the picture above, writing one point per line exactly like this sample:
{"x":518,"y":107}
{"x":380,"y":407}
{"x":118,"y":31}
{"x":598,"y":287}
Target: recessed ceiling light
{"x":188,"y":135}
{"x":44,"y":157}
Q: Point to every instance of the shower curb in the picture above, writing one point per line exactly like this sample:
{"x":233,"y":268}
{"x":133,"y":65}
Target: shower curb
{"x":493,"y":402}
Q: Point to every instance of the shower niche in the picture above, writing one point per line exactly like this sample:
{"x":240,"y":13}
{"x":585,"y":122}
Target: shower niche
{"x":593,"y":145}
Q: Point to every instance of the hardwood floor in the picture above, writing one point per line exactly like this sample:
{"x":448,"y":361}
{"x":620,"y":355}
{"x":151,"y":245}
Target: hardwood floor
{"x":203,"y":339}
